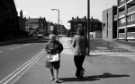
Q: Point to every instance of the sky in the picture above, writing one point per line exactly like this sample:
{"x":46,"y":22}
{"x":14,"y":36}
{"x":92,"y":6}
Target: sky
{"x":68,"y":9}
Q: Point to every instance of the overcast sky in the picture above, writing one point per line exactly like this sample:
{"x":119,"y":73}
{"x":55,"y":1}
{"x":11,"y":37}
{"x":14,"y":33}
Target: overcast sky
{"x":68,"y":8}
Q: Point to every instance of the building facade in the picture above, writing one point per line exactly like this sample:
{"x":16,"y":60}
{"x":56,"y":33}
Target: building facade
{"x":126,"y":19}
{"x":109,"y":29}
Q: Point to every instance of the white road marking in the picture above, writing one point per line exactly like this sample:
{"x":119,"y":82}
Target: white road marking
{"x":25,"y":66}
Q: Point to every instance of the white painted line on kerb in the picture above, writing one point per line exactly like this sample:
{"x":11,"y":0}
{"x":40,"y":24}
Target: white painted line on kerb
{"x":27,"y":64}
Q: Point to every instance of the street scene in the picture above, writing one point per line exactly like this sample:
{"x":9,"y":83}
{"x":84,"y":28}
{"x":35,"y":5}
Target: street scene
{"x":67,"y":42}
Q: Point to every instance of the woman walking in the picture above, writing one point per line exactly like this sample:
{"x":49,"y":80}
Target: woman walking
{"x":53,"y":49}
{"x":80,"y":46}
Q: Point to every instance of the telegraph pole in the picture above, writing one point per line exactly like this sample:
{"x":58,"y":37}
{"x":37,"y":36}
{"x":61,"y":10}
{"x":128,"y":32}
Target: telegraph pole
{"x":88,"y":24}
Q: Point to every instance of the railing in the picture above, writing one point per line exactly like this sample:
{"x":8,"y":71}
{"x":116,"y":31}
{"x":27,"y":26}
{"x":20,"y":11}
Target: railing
{"x":121,"y":24}
{"x":131,"y":9}
{"x":122,"y":14}
{"x":122,"y":35}
{"x":129,"y":1}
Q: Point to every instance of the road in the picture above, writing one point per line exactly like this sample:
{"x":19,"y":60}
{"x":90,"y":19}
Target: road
{"x":15,"y":55}
{"x":109,"y":63}
{"x":102,"y":67}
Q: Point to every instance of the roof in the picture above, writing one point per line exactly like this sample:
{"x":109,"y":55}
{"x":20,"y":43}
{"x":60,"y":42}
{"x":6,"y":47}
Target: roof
{"x":33,"y":20}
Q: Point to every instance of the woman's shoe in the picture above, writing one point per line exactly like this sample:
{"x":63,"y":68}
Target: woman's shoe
{"x":82,"y":72}
{"x":52,"y":79}
{"x":58,"y":81}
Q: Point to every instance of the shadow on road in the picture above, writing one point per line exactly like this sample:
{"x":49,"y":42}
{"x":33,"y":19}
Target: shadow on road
{"x":95,"y":77}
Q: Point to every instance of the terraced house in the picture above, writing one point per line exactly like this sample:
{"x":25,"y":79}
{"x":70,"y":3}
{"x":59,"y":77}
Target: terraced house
{"x":125,"y":19}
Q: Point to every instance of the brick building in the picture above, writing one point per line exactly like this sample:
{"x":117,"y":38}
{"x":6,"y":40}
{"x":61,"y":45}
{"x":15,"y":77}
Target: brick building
{"x":95,"y":25}
{"x":75,"y":22}
{"x":61,"y":30}
{"x":36,"y":26}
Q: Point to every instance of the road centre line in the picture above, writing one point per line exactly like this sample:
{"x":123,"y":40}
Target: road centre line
{"x":16,"y":77}
{"x":24,"y":71}
{"x":27,"y":64}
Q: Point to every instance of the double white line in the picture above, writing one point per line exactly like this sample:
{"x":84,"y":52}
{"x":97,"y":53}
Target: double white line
{"x":21,"y":70}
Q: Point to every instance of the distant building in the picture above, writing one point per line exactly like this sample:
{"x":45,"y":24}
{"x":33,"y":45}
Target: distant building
{"x":22,"y":21}
{"x":126,"y":19}
{"x":36,"y":25}
{"x":109,"y":29}
{"x":95,"y":26}
{"x":51,"y":28}
{"x":61,"y":29}
{"x":75,"y":22}
{"x":32,"y":24}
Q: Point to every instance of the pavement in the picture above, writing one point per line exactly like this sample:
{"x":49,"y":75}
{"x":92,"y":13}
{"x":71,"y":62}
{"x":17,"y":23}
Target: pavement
{"x":108,"y":64}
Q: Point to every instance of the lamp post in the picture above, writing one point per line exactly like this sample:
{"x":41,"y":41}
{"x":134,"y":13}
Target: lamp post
{"x":88,"y":24}
{"x":58,"y":15}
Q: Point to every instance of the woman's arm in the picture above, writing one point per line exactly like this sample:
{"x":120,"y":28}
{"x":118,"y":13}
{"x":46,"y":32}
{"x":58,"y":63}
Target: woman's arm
{"x":73,"y":42}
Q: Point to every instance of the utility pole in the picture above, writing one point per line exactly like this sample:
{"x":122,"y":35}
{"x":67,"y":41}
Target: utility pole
{"x":88,"y":24}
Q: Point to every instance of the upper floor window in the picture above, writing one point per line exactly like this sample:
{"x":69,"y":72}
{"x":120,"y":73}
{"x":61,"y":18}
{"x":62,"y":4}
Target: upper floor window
{"x":131,"y":18}
{"x":122,"y":20}
{"x":121,"y":0}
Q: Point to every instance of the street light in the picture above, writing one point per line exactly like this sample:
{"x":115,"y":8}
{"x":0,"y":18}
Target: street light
{"x":58,"y":15}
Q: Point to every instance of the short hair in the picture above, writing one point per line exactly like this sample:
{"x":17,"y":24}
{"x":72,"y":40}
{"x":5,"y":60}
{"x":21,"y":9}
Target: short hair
{"x":52,"y":36}
{"x":80,"y":31}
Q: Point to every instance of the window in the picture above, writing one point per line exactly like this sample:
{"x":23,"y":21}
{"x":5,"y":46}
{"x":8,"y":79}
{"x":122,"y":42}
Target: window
{"x":121,"y":31}
{"x":122,"y":20}
{"x":131,"y":18}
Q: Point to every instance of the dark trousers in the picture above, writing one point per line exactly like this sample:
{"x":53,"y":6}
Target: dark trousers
{"x":78,"y":60}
